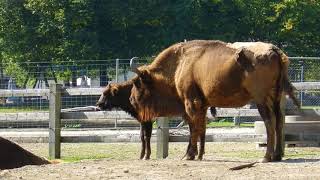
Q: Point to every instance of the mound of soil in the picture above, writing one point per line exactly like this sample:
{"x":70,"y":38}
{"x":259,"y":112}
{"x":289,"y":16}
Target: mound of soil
{"x":14,"y":156}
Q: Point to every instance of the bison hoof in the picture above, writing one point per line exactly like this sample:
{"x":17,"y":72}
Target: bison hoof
{"x":200,"y":156}
{"x":146,"y":158}
{"x":190,"y":157}
{"x":142,"y":156}
{"x":265,"y":160}
{"x":277,"y":158}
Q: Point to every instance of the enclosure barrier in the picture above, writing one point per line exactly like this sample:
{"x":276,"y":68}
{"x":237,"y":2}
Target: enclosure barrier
{"x":28,"y":108}
{"x":163,"y":125}
{"x":56,"y":114}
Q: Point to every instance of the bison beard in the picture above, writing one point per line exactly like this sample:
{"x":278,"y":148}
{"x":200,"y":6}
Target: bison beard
{"x":146,"y":113}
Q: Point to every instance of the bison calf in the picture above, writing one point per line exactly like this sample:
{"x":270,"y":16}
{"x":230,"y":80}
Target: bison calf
{"x":117,"y":96}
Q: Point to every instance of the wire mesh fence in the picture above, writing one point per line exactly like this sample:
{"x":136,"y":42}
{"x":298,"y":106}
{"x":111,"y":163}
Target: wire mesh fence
{"x":31,"y":111}
{"x":306,"y":69}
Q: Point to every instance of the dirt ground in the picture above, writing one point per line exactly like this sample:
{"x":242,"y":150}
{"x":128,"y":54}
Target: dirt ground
{"x":119,"y":161}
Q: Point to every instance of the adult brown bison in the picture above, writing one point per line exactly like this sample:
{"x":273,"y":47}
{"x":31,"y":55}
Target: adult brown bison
{"x":189,"y":77}
{"x":116,"y":95}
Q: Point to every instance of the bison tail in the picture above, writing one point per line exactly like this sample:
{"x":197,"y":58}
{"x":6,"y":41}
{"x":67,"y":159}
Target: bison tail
{"x":213,"y":111}
{"x":286,"y":85}
{"x":289,"y":89}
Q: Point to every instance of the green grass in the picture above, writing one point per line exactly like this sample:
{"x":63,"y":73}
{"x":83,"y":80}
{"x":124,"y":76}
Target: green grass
{"x":310,"y":107}
{"x":22,"y":109}
{"x":228,"y":124}
{"x":74,"y":152}
{"x":220,"y":124}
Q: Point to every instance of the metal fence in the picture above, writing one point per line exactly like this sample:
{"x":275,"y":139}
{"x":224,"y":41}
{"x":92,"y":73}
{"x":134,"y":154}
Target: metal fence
{"x":31,"y":111}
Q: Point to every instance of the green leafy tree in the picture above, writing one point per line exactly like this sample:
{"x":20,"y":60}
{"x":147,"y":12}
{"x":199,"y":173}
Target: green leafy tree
{"x":68,"y":32}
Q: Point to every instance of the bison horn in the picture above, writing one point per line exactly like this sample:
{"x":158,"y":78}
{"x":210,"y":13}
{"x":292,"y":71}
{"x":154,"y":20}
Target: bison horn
{"x":134,"y":66}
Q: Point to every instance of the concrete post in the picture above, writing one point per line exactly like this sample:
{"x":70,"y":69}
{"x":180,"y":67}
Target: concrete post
{"x":55,"y":121}
{"x":162,"y":137}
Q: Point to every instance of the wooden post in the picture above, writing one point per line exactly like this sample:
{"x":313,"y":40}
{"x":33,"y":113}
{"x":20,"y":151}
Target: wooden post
{"x":162,"y":137}
{"x":55,"y":121}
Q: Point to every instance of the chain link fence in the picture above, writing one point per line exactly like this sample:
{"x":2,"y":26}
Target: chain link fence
{"x":25,"y":111}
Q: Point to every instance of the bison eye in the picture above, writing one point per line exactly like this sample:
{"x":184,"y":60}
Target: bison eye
{"x":131,"y":99}
{"x":139,"y":95}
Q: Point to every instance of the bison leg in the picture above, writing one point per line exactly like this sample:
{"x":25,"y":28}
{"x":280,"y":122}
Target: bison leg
{"x":187,"y":119}
{"x":189,"y":144}
{"x":148,"y":133}
{"x":279,"y":112}
{"x":202,"y":142}
{"x":268,"y":117}
{"x":143,"y":142}
{"x":197,"y":130}
{"x":196,"y":112}
{"x":192,"y":146}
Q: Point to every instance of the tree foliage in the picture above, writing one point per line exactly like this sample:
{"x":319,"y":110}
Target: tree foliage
{"x":71,"y":30}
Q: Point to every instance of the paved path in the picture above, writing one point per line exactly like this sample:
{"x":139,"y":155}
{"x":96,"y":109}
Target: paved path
{"x":120,"y":135}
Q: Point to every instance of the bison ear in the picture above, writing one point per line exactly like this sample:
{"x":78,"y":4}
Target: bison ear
{"x":244,"y":58}
{"x":137,"y":83}
{"x":107,"y":89}
{"x":145,"y":77}
{"x":114,"y":90}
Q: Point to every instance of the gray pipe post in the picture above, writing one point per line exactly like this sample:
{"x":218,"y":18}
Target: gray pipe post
{"x":117,"y":74}
{"x":301,"y":80}
{"x":162,"y":137}
{"x":55,"y":121}
{"x":117,"y":69}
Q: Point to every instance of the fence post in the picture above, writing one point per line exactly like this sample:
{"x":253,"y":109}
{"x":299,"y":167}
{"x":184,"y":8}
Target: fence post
{"x":162,"y":137}
{"x":55,"y":121}
{"x":117,"y":70}
{"x":301,"y":80}
{"x":237,"y":119}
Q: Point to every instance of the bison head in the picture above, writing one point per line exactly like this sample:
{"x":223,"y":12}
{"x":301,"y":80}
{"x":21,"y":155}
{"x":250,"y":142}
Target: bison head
{"x":108,"y":98}
{"x":152,"y":96}
{"x":143,"y":94}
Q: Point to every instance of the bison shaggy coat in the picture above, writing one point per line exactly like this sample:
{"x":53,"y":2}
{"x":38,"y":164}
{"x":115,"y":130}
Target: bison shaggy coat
{"x":189,"y":77}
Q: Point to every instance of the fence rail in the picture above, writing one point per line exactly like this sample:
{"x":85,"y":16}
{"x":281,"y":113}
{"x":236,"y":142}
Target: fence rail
{"x":98,"y":91}
{"x":46,"y":92}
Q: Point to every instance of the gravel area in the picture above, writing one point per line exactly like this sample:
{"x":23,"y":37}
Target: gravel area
{"x":119,"y":161}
